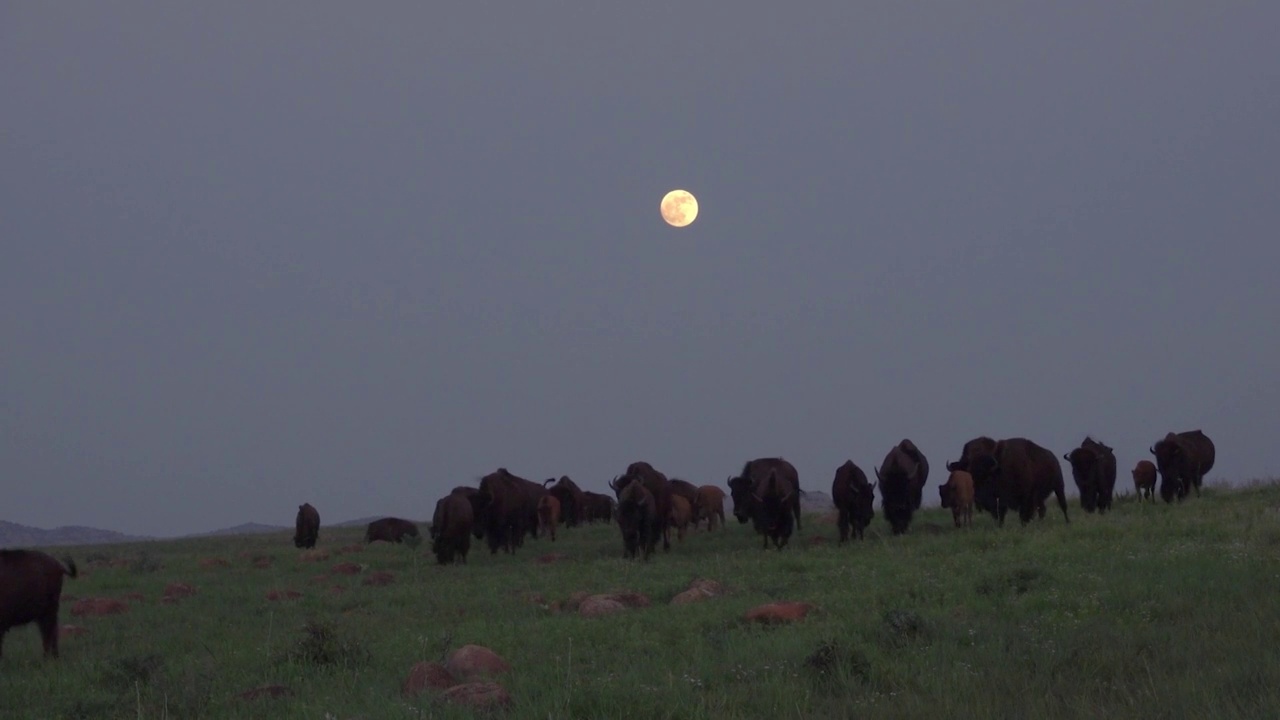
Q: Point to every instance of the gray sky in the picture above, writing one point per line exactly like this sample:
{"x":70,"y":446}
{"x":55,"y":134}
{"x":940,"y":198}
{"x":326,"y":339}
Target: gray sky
{"x":256,"y":254}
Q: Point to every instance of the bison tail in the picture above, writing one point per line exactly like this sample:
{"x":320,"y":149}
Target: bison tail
{"x":70,"y":569}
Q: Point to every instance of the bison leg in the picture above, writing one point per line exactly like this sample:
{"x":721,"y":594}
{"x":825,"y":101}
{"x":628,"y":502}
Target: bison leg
{"x":842,"y":522}
{"x":1062,"y":503}
{"x":49,"y":633}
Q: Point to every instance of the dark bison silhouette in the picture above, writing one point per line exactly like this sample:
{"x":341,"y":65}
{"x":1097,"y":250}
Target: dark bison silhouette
{"x":600,"y":507}
{"x":854,"y":499}
{"x":30,"y":591}
{"x":573,"y":503}
{"x":506,"y":509}
{"x":1093,"y":467}
{"x":390,"y":529}
{"x":657,"y":485}
{"x":742,"y":487}
{"x":1023,"y":475}
{"x":638,"y":520}
{"x":308,"y":527}
{"x":451,"y":528}
{"x":985,"y":496}
{"x":1183,"y":459}
{"x":901,"y":477}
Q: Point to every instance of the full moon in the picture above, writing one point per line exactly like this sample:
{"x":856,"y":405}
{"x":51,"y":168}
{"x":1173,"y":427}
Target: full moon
{"x":679,"y":208}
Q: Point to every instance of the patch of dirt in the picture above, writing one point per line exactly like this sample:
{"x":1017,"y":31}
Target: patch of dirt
{"x":779,"y":612}
{"x":99,"y":606}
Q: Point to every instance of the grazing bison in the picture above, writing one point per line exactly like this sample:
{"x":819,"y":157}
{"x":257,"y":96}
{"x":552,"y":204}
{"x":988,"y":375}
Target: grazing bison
{"x":307,"y":527}
{"x":573,"y":503}
{"x":507,"y":510}
{"x":473,"y":497}
{"x":658,"y":486}
{"x":709,"y":506}
{"x":1144,"y":480}
{"x":742,"y":487}
{"x":30,"y":591}
{"x":900,"y":482}
{"x":637,"y":510}
{"x":451,"y":528}
{"x":957,"y":493}
{"x":984,"y":488}
{"x":680,"y":516}
{"x":1183,"y":459}
{"x":599,"y":507}
{"x":548,"y":515}
{"x":390,"y":529}
{"x":854,"y":499}
{"x":1023,"y":474}
{"x":1093,"y":466}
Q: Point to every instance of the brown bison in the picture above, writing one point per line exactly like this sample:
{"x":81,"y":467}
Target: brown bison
{"x":709,"y":506}
{"x":30,"y":591}
{"x":658,"y":486}
{"x":1144,"y":480}
{"x":507,"y":509}
{"x":599,"y":507}
{"x":1093,"y":466}
{"x":900,"y":482}
{"x":548,"y":515}
{"x":390,"y":529}
{"x":307,"y":527}
{"x":637,"y":510}
{"x":1183,"y":459}
{"x":1023,"y":474}
{"x":472,"y":496}
{"x":451,"y":528}
{"x":685,"y":489}
{"x":984,"y":489}
{"x":742,"y":488}
{"x":957,"y":493}
{"x":854,"y":499}
{"x":680,"y":516}
{"x":573,"y":502}
{"x":773,"y":508}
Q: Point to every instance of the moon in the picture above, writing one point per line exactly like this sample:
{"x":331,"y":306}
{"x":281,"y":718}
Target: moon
{"x":679,"y":208}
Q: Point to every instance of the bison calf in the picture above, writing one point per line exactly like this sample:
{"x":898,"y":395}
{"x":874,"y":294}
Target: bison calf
{"x":680,"y":516}
{"x":548,"y":515}
{"x":709,"y":506}
{"x":451,"y":527}
{"x":390,"y":530}
{"x":1144,"y":480}
{"x":957,"y":493}
{"x":30,"y":590}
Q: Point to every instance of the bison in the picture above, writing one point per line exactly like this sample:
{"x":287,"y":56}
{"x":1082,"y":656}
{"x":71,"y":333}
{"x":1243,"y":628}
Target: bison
{"x":854,"y":499}
{"x":307,"y":527}
{"x":506,"y":509}
{"x":957,"y":493}
{"x":899,"y":477}
{"x":922,"y":477}
{"x":709,"y":505}
{"x":1183,"y":459}
{"x":742,"y":488}
{"x":1093,"y":466}
{"x":390,"y":529}
{"x":1023,"y":475}
{"x":772,"y":508}
{"x":599,"y":507}
{"x":637,"y":510}
{"x":573,"y":505}
{"x":684,"y":489}
{"x":659,"y":487}
{"x":451,"y":528}
{"x":680,"y":516}
{"x":548,"y":515}
{"x":1144,"y":480}
{"x":984,"y":490}
{"x":30,"y":591}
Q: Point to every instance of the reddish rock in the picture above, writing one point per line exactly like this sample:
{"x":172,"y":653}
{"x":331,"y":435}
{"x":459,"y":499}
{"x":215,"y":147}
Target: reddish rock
{"x":477,"y":695}
{"x":691,"y":595}
{"x":177,"y":591}
{"x":314,"y":555}
{"x":779,"y":612}
{"x":345,"y":569}
{"x":426,"y":676}
{"x":214,"y":562}
{"x":575,"y":600}
{"x":283,"y":594}
{"x":98,"y":606}
{"x":598,"y":605}
{"x":71,"y":631}
{"x":380,"y":578}
{"x":472,"y":662}
{"x":550,"y":558}
{"x":268,"y":691}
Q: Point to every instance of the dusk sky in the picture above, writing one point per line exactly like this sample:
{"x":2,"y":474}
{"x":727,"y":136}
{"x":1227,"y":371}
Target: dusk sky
{"x":260,"y":254}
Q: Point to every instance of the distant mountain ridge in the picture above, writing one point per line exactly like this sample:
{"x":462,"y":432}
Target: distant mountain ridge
{"x":15,"y":535}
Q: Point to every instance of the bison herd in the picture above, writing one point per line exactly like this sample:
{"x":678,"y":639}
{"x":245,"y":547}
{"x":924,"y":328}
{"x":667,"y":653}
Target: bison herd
{"x":993,"y":476}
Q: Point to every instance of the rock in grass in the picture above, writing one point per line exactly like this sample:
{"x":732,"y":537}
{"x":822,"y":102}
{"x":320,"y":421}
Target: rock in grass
{"x":473,"y":662}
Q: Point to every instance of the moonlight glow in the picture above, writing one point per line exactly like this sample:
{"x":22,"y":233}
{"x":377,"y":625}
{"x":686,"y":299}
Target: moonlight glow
{"x":679,"y":208}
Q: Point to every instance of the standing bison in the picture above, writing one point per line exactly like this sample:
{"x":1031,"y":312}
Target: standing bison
{"x":1144,"y":480}
{"x":573,"y":502}
{"x":30,"y":591}
{"x":772,"y":508}
{"x":451,"y":528}
{"x":1183,"y":459}
{"x":957,"y":493}
{"x":1093,"y":466}
{"x":709,"y":506}
{"x":390,"y":529}
{"x":1023,"y":475}
{"x":854,"y":499}
{"x":506,"y":509}
{"x":658,"y":486}
{"x":742,"y":489}
{"x":922,"y":476}
{"x":686,"y":490}
{"x":680,"y":516}
{"x":307,"y":527}
{"x":638,"y":520}
{"x":599,"y":507}
{"x":901,"y":479}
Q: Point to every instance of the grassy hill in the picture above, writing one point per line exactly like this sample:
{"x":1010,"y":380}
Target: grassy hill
{"x":1152,"y":611}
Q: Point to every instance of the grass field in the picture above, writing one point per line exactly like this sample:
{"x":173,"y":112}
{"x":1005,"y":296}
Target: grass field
{"x":1153,"y":611}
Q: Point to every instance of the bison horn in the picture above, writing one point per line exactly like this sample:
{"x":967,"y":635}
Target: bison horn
{"x":1067,"y":457}
{"x":1152,"y":449}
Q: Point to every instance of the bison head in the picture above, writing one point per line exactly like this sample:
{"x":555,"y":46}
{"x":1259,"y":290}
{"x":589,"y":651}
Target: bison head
{"x":772,"y":505}
{"x":740,"y":492}
{"x":1086,"y":468}
{"x":1171,"y":463}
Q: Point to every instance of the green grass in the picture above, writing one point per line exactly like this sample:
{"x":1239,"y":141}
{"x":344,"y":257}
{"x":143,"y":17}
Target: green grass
{"x":1150,"y":612}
